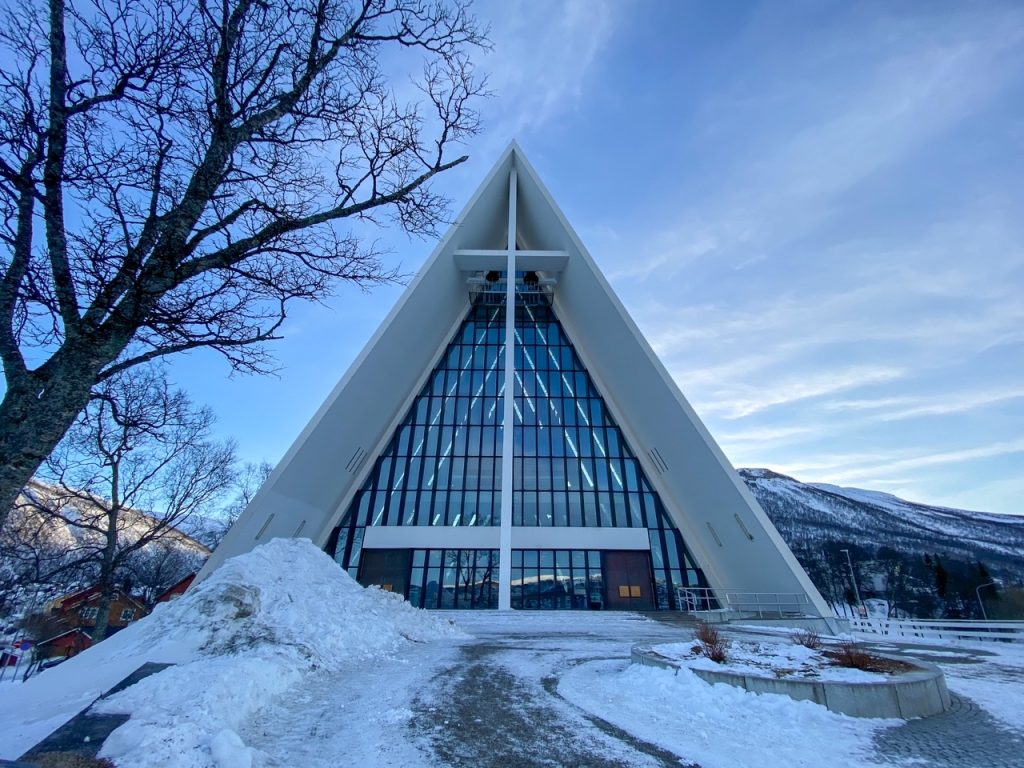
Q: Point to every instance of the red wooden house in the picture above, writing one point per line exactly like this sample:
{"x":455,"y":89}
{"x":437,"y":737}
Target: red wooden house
{"x":79,"y":610}
{"x":177,"y":590}
{"x":68,"y":643}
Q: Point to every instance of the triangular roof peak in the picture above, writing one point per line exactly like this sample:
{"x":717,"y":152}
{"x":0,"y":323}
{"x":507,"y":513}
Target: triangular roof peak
{"x":483,"y":223}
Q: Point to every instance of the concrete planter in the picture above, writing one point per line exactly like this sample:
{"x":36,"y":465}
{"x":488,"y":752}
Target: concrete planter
{"x":919,"y":693}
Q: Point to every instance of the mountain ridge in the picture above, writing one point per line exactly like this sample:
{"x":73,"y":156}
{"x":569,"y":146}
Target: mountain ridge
{"x":895,"y":545}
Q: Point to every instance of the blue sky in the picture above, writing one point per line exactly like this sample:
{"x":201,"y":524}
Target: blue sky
{"x":814,"y":211}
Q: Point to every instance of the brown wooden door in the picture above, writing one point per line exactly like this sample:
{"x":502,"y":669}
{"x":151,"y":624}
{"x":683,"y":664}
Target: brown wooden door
{"x":387,"y":569}
{"x":627,"y":578}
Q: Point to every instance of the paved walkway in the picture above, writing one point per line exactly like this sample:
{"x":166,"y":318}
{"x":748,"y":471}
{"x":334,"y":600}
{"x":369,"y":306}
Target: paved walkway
{"x":497,"y":719}
{"x":489,"y":702}
{"x":492,"y":702}
{"x":964,"y":737}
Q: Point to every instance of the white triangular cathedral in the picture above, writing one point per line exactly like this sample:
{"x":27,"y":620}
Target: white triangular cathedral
{"x":607,"y":493}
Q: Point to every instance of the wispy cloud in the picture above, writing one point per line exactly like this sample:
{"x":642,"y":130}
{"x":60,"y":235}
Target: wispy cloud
{"x":543,"y":56}
{"x":876,"y":467}
{"x":908,"y":407}
{"x":783,"y":185}
{"x":737,"y":402}
{"x":765,"y":435}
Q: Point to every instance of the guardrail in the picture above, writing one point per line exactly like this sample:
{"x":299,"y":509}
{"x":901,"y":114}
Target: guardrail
{"x":762,"y":604}
{"x":941,"y":629}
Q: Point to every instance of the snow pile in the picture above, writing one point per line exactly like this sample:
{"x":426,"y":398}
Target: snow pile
{"x":258,"y":623}
{"x":769,"y":659}
{"x":290,"y":600}
{"x":247,"y":634}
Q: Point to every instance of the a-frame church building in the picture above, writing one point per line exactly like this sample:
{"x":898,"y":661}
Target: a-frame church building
{"x":508,"y":439}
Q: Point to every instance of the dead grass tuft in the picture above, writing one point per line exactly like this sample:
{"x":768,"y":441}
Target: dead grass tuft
{"x":851,"y":655}
{"x":808,"y":638}
{"x":712,"y":644}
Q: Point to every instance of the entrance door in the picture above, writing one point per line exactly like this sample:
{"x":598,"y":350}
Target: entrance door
{"x":627,"y":577}
{"x":387,"y":569}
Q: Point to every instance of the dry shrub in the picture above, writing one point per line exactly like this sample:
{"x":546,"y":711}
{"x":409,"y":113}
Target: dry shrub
{"x":850,"y":654}
{"x":712,"y":644}
{"x":808,"y":638}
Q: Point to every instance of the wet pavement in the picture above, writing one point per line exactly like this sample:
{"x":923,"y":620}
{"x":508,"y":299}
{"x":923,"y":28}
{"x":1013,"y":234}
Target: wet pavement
{"x":503,"y":710}
{"x":492,"y":701}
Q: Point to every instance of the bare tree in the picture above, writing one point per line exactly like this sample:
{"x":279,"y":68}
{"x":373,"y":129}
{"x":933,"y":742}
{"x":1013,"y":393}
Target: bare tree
{"x":161,"y":564}
{"x":174,"y":172}
{"x":39,"y":556}
{"x":210,"y":530}
{"x":137,"y":465}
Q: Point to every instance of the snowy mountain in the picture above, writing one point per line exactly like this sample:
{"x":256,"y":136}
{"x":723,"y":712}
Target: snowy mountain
{"x":814,"y":514}
{"x":45,"y":555}
{"x":82,"y":524}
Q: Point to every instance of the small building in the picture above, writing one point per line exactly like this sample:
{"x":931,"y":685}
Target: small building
{"x":79,"y":610}
{"x":69,"y":643}
{"x":176,"y":590}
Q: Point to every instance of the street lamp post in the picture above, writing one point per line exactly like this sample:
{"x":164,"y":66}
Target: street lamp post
{"x":853,"y":577}
{"x":977,"y":591}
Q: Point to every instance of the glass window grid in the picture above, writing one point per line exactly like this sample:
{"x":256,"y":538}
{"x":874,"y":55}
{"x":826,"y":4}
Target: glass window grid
{"x":443,"y":465}
{"x":564,"y":440}
{"x":454,"y":578}
{"x":562,"y":579}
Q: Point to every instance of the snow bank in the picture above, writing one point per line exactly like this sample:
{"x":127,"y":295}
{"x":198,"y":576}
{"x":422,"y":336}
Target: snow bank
{"x":244,"y":636}
{"x":718,"y":726}
{"x":290,"y":600}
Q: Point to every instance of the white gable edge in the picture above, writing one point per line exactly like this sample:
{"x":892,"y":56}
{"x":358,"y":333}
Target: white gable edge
{"x":307,"y":491}
{"x":654,"y":414}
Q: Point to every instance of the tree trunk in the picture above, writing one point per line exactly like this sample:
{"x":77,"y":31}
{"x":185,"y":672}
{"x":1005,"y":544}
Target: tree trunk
{"x":103,"y":616}
{"x":34,"y":416}
{"x":108,"y":589}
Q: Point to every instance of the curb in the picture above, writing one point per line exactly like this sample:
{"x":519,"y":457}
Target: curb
{"x":905,"y":696}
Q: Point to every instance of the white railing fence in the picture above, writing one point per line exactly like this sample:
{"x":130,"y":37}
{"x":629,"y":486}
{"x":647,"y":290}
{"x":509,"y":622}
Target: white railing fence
{"x":941,"y":629}
{"x":761,"y":604}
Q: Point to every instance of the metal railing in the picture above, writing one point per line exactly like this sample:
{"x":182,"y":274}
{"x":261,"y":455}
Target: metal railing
{"x":941,"y":629}
{"x":760,"y":604}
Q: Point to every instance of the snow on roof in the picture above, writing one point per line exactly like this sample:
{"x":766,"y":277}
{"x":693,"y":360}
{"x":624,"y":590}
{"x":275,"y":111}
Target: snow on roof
{"x":88,"y":595}
{"x":63,"y":634}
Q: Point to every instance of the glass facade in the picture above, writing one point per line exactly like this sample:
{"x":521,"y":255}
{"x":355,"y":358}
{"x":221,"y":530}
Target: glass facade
{"x":454,"y":578}
{"x":571,"y":468}
{"x":557,"y":579}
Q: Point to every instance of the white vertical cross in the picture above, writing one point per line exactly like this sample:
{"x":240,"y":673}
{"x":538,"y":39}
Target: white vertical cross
{"x":505,"y":540}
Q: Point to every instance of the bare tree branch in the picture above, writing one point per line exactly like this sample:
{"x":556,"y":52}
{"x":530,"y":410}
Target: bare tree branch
{"x":174,"y":173}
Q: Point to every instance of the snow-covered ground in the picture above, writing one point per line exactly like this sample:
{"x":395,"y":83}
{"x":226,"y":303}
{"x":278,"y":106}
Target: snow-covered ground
{"x":260,"y":625}
{"x":719,"y":726}
{"x":282,"y":660}
{"x":768,"y":658}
